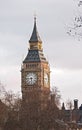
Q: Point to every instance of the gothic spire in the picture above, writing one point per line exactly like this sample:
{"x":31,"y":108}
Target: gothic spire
{"x":35,"y":36}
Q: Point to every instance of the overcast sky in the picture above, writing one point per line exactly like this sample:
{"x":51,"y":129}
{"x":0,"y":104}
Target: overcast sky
{"x":62,"y":51}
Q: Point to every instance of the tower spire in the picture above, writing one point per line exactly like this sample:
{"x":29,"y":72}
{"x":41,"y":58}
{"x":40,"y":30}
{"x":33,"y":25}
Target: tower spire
{"x":35,"y":36}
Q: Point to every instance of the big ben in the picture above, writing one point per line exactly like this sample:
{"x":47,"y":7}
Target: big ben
{"x":35,"y":71}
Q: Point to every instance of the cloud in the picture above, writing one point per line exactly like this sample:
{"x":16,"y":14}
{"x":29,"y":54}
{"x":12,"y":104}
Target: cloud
{"x":65,"y":54}
{"x":68,"y":82}
{"x":11,"y":48}
{"x":10,"y":77}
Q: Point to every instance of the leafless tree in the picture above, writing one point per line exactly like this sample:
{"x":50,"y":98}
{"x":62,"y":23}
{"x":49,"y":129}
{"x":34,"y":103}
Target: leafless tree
{"x":69,"y":104}
{"x":11,"y":99}
{"x":38,"y":114}
{"x":57,"y":95}
{"x":2,"y":90}
{"x":13,"y":104}
{"x":75,"y":29}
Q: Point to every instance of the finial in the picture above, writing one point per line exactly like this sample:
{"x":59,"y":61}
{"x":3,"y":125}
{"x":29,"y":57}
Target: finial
{"x":35,"y":17}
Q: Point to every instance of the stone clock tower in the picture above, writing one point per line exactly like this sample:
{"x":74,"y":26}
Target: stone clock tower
{"x":35,"y":71}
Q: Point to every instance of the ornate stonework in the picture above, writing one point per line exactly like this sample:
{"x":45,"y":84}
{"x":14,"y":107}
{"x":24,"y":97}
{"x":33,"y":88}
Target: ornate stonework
{"x":35,"y":72}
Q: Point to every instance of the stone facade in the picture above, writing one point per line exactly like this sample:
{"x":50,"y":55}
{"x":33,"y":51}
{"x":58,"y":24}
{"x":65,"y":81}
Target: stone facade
{"x":35,"y":71}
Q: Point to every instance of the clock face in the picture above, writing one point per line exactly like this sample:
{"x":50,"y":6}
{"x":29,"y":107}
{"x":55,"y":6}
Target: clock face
{"x":31,"y":78}
{"x":46,"y":78}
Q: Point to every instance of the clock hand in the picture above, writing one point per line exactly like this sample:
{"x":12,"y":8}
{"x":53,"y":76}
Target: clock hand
{"x":31,"y":79}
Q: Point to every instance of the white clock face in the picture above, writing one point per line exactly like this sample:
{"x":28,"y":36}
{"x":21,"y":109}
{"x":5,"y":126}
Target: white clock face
{"x":46,"y":78}
{"x":31,"y":78}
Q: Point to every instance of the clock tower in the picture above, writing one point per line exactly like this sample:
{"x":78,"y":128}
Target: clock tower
{"x":35,"y":71}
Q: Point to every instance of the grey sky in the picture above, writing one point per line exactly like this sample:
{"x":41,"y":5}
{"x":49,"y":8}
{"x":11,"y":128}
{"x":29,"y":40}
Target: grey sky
{"x":63,"y":52}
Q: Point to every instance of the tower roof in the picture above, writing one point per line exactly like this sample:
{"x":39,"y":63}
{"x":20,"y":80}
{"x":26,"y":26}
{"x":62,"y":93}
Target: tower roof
{"x":35,"y":36}
{"x":35,"y":56}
